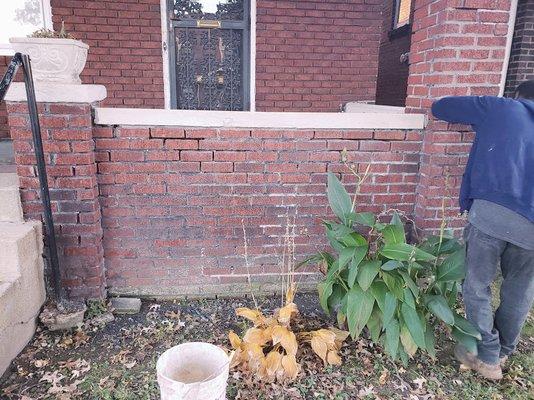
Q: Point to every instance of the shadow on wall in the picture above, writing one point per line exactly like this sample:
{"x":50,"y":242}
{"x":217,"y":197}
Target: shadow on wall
{"x":393,"y":64}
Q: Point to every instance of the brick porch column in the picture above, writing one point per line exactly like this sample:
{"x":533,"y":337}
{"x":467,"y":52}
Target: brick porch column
{"x":458,"y":48}
{"x":66,"y":128}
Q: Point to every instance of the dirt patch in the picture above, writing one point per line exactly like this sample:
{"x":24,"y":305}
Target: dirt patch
{"x":117,"y":361}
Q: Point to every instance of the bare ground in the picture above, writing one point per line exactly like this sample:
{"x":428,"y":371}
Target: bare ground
{"x":117,"y":361}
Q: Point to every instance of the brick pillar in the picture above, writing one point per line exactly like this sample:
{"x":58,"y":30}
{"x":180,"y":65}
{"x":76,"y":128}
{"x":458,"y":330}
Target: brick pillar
{"x":458,"y":48}
{"x":66,"y":128}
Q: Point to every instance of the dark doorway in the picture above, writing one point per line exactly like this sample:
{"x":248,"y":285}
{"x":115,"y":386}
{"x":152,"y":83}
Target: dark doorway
{"x":209,"y":54}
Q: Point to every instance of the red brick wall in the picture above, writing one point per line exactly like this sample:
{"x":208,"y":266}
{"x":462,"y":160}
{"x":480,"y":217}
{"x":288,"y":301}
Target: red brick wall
{"x":316,"y":55}
{"x":521,"y":66}
{"x":125,"y":47}
{"x":392,"y":79}
{"x":165,"y":207}
{"x":173,"y":200}
{"x":457,"y":49}
{"x":70,"y":157}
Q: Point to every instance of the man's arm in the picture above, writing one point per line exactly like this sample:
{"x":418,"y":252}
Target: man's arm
{"x":462,"y":109}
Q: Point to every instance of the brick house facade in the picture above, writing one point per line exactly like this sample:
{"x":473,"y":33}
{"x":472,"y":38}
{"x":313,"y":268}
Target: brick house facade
{"x":521,"y":65}
{"x":310,"y":55}
{"x":154,"y":203}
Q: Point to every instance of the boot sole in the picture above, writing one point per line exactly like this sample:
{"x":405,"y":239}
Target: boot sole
{"x":462,"y":358}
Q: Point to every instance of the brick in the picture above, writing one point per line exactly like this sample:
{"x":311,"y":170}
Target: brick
{"x":167,"y":132}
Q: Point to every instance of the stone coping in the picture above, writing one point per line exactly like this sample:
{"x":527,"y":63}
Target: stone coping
{"x":253,"y":120}
{"x":58,"y":93}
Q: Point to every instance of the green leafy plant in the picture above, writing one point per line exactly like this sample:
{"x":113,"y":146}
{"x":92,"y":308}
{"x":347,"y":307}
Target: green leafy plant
{"x":399,"y":291}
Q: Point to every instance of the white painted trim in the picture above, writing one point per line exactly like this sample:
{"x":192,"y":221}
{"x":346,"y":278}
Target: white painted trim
{"x":6,"y":49}
{"x":248,"y":119}
{"x":46,"y":9}
{"x":58,"y":93}
{"x":508,"y":50}
{"x":167,"y":64}
{"x":252,"y":55}
{"x":356,"y":107}
{"x":165,"y":54}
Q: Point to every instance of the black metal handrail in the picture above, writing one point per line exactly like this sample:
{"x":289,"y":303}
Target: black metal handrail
{"x":24,"y":61}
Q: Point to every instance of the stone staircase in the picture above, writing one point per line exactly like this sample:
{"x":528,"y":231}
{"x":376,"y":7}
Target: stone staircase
{"x":22,"y":290}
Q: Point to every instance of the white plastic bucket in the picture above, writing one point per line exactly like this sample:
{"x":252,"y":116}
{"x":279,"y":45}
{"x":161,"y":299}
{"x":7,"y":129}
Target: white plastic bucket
{"x":193,"y":371}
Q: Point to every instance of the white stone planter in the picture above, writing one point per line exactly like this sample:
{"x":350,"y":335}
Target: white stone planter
{"x":54,"y":60}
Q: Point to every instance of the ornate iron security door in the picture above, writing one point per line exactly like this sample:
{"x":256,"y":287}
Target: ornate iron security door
{"x":209,"y":53}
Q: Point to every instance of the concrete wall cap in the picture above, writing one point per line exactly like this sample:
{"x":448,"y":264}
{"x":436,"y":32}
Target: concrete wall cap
{"x":246,"y":119}
{"x":46,"y":92}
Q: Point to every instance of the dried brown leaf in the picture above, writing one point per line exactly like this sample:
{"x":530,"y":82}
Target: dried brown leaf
{"x":319,"y":347}
{"x":235,"y":340}
{"x":333,"y":358}
{"x":290,"y":365}
{"x":286,"y":339}
{"x":255,"y":316}
{"x":257,"y":336}
{"x":286,"y":313}
{"x":273,"y":361}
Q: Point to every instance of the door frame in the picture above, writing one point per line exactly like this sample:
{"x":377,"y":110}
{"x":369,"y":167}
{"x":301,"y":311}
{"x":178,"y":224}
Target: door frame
{"x":168,"y":54}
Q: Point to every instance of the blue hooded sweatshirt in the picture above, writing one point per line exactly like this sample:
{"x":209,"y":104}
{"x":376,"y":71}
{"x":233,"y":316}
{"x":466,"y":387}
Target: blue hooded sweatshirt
{"x":500,"y":168}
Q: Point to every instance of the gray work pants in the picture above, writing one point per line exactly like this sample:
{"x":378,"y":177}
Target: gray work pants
{"x":500,"y":332}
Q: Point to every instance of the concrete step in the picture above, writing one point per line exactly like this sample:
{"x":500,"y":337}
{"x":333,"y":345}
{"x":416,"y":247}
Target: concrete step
{"x":22,"y":289}
{"x":10,"y":205}
{"x":20,"y":247}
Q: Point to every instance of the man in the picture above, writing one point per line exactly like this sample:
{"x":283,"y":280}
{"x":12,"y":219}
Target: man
{"x":498,"y":191}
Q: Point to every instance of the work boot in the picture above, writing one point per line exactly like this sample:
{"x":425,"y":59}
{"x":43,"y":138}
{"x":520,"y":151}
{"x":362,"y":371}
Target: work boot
{"x":468,"y":359}
{"x":503,"y":360}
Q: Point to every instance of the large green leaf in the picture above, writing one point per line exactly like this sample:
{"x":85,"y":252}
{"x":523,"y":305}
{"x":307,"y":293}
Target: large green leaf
{"x":353,"y":272}
{"x":345,"y":256}
{"x":394,"y":283}
{"x":466,"y":327}
{"x":359,"y":255}
{"x":405,"y":252}
{"x":407,"y":340}
{"x":392,"y":338}
{"x":394,"y":234}
{"x":334,"y":242}
{"x":452,"y":296}
{"x":439,"y":307}
{"x":367,"y":273}
{"x":430,"y":341}
{"x":336,"y":297}
{"x":403,"y":356}
{"x":338,"y":198}
{"x":453,"y":267}
{"x":375,"y":325}
{"x":359,"y":309}
{"x":364,"y":218}
{"x":338,"y":230}
{"x":354,"y":239}
{"x":325,"y":290}
{"x":413,"y":324}
{"x":410,"y":283}
{"x":469,"y":342}
{"x":390,"y":306}
{"x":395,"y":219}
{"x":332,"y":270}
{"x":391,"y":265}
{"x":379,"y":290}
{"x":408,"y":298}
